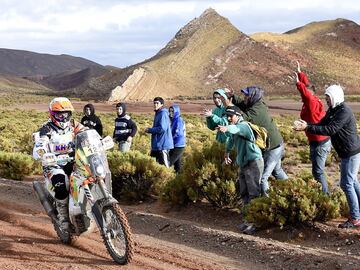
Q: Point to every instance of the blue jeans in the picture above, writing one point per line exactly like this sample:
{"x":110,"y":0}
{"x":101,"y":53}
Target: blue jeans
{"x":272,"y":166}
{"x":349,"y":183}
{"x":318,"y":155}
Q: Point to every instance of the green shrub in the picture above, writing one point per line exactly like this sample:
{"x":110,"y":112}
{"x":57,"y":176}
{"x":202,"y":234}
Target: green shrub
{"x":137,"y":176}
{"x":15,"y":165}
{"x":304,"y":155}
{"x":204,"y":176}
{"x":295,"y":201}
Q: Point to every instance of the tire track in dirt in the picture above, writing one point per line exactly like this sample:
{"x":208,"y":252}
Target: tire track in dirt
{"x":28,"y":239}
{"x":48,"y":246}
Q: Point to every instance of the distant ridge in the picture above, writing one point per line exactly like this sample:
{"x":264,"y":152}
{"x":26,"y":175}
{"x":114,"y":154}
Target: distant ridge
{"x":206,"y":54}
{"x":25,"y":63}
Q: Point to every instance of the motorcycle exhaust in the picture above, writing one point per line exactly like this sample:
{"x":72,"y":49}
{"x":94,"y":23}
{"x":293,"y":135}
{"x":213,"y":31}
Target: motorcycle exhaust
{"x":39,"y":189}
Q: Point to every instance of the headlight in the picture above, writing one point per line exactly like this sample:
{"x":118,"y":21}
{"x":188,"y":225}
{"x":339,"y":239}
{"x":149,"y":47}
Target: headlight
{"x":100,"y":171}
{"x":98,"y":166}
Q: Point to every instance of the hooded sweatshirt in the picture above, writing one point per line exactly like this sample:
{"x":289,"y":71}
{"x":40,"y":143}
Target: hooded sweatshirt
{"x":313,"y":109}
{"x":161,"y":137}
{"x":124,"y":126}
{"x":92,"y":121}
{"x":178,"y":128}
{"x":245,"y":148}
{"x":218,"y":118}
{"x":339,"y":123}
{"x":256,"y":112}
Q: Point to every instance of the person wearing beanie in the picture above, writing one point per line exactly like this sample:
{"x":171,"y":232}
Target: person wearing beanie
{"x":125,"y":128}
{"x":91,"y":120}
{"x":313,"y":111}
{"x":217,"y":116}
{"x":340,"y":124}
{"x":256,"y":111}
{"x":161,"y":136}
{"x":249,"y":158}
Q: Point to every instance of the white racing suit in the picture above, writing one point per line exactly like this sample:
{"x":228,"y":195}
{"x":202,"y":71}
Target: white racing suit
{"x":55,"y":147}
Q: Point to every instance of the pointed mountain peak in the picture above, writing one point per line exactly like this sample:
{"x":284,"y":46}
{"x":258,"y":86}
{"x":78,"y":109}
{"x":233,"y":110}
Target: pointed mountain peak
{"x":209,"y":19}
{"x":209,"y":12}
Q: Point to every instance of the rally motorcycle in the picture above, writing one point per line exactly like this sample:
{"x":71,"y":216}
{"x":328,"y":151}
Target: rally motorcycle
{"x":90,"y":199}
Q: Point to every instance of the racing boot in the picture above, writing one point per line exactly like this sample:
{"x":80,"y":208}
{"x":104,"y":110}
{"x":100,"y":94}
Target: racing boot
{"x":62,"y":206}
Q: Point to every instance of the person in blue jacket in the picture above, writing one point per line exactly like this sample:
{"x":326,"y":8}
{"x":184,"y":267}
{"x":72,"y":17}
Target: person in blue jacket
{"x":178,"y":131}
{"x":161,"y":136}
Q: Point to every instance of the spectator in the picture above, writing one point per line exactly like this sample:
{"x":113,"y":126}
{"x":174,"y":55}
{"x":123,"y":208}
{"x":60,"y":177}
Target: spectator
{"x":91,"y":120}
{"x":312,"y":112}
{"x":248,"y":157}
{"x":217,"y":116}
{"x":178,"y":131}
{"x":161,"y":137}
{"x":256,"y":111}
{"x":125,"y":128}
{"x":340,"y":124}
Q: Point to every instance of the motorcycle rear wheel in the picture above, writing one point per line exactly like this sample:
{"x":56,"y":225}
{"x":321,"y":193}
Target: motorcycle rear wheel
{"x":117,"y":237}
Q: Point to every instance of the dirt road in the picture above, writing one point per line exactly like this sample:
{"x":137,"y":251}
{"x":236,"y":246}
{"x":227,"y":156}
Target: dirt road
{"x":196,"y":237}
{"x":190,"y":107}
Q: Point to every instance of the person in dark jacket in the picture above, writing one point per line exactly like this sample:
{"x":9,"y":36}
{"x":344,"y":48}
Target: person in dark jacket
{"x":125,"y":128}
{"x":91,"y":120}
{"x":312,"y":112}
{"x":161,"y":137}
{"x":340,"y":124}
{"x":178,"y":131}
{"x":256,"y":111}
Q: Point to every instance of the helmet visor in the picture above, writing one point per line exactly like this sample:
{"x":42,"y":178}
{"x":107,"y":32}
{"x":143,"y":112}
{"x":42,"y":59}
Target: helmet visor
{"x":62,"y":116}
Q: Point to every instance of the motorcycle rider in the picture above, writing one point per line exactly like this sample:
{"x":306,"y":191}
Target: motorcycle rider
{"x":56,"y":139}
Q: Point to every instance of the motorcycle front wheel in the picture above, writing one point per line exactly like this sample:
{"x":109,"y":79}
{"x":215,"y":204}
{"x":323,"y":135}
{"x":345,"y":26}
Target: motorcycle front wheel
{"x":117,"y":235}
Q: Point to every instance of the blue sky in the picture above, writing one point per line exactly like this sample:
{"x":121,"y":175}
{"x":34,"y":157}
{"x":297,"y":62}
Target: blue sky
{"x":122,"y":33}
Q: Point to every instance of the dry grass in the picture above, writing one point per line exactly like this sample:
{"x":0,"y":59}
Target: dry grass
{"x":9,"y":83}
{"x":296,"y":36}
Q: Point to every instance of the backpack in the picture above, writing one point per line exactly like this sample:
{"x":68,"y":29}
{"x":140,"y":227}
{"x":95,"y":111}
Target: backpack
{"x":261,"y":136}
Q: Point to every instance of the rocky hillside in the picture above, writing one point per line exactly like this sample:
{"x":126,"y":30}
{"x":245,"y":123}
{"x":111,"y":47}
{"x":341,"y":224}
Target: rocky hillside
{"x":329,"y":50}
{"x":209,"y":52}
{"x":179,"y":69}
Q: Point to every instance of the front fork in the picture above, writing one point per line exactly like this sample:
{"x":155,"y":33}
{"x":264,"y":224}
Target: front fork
{"x":98,"y":205}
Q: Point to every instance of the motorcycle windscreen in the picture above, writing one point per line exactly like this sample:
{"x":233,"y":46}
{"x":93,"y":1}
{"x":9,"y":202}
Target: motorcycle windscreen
{"x":90,"y":155}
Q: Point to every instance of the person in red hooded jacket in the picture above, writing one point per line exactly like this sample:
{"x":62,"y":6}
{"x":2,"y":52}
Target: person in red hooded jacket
{"x":312,"y":112}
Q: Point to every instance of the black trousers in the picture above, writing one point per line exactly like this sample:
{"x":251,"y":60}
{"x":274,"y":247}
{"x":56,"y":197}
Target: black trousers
{"x":175,"y":158}
{"x":162,"y":157}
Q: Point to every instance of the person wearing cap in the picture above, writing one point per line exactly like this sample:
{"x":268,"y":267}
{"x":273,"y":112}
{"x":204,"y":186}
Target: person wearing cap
{"x":249,"y":158}
{"x":313,"y":111}
{"x":217,"y":116}
{"x":125,"y":128}
{"x":256,"y":111}
{"x":161,"y":136}
{"x":340,"y":124}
